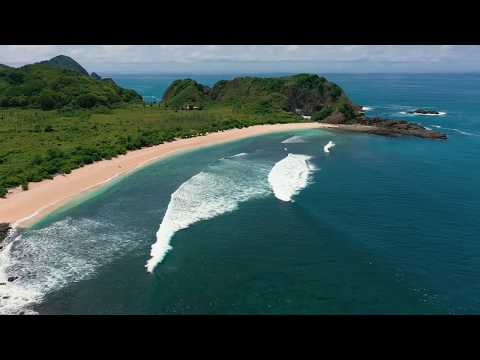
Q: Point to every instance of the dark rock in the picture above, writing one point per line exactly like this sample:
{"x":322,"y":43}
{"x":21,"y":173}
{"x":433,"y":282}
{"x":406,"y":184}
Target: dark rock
{"x":399,"y":127}
{"x":424,"y":112}
{"x":110,"y":81}
{"x":12,"y":278}
{"x":4,"y":229}
{"x":95,"y":76}
{"x":335,"y":118}
{"x":2,"y":283}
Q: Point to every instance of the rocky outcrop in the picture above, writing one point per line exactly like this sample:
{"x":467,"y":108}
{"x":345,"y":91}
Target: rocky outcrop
{"x":424,"y":112}
{"x":399,"y":127}
{"x":4,"y":229}
{"x":335,"y":118}
{"x":95,"y":76}
{"x":306,"y":95}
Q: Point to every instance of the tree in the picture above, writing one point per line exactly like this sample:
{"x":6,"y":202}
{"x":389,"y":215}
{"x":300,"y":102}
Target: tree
{"x":322,"y":114}
{"x":87,"y":100}
{"x":47,"y":100}
{"x":347,"y":111}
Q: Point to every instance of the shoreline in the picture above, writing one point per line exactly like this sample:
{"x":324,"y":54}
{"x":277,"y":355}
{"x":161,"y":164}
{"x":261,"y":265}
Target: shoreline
{"x":24,"y":208}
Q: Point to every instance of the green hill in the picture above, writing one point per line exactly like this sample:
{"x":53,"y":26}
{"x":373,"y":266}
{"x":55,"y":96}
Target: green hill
{"x":182,"y":93}
{"x":303,"y":94}
{"x":59,"y":83}
{"x":63,"y":62}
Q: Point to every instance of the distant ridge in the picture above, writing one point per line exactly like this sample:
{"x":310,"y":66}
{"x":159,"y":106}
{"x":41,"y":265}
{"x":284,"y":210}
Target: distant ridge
{"x":64,"y":62}
{"x":58,"y":83}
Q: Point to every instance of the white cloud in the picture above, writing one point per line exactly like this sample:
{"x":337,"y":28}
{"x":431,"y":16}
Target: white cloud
{"x":186,"y":57}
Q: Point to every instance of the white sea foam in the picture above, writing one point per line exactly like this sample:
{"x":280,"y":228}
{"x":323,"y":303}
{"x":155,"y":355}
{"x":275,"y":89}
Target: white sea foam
{"x":238,"y":155}
{"x":327,"y":147}
{"x":50,"y":258}
{"x":440,"y":113}
{"x":463,"y":132}
{"x":367,"y":108}
{"x":215,"y":191}
{"x":290,"y":175}
{"x":294,"y":140}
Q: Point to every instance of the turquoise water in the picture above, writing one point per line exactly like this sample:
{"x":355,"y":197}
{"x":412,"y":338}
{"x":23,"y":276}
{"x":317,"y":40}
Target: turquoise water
{"x":385,"y":225}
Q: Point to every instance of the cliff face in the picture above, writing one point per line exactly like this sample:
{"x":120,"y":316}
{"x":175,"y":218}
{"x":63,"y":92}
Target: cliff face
{"x":303,"y":94}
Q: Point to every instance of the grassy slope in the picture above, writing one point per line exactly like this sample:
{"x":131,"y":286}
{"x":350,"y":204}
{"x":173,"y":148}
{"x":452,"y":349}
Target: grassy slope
{"x":39,"y":144}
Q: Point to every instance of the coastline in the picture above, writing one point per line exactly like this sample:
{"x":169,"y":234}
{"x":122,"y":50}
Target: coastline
{"x":24,"y":208}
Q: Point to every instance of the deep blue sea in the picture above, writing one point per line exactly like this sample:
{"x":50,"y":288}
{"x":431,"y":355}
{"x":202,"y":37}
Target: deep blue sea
{"x":377,"y":225}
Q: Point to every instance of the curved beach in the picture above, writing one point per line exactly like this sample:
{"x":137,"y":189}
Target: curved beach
{"x":24,"y":208}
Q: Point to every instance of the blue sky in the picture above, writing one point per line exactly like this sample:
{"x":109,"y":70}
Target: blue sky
{"x":254,"y":58}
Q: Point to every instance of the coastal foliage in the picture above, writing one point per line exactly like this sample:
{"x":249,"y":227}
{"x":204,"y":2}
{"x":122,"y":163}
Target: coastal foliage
{"x":38,"y":144}
{"x":54,"y":117}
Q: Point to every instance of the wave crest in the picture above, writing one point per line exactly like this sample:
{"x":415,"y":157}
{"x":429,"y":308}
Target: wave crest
{"x":294,"y":140}
{"x":327,"y":147}
{"x":218,"y":190}
{"x":290,"y":175}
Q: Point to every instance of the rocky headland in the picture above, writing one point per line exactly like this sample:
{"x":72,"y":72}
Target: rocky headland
{"x":306,"y":95}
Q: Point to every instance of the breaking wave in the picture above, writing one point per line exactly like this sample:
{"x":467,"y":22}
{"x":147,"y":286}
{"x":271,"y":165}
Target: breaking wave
{"x":47,"y":259}
{"x":463,"y":132}
{"x":293,"y":140}
{"x":327,"y":147}
{"x":290,"y":175}
{"x":440,"y":113}
{"x":215,"y":191}
{"x":238,"y":155}
{"x":367,"y":108}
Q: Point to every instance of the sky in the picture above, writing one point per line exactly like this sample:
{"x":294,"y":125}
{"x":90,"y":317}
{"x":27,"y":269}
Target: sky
{"x":111,"y":59}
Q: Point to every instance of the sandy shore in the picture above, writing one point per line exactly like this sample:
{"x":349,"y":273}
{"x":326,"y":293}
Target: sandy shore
{"x":23,"y":208}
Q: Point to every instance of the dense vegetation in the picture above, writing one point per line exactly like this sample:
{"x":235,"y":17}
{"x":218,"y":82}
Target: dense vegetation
{"x":54,"y":117}
{"x":182,"y":93}
{"x":303,"y":94}
{"x":58,"y":85}
{"x":40,"y":144}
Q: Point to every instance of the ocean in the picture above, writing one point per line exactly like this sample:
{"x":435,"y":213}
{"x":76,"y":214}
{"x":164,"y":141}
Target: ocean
{"x":275,"y":224}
